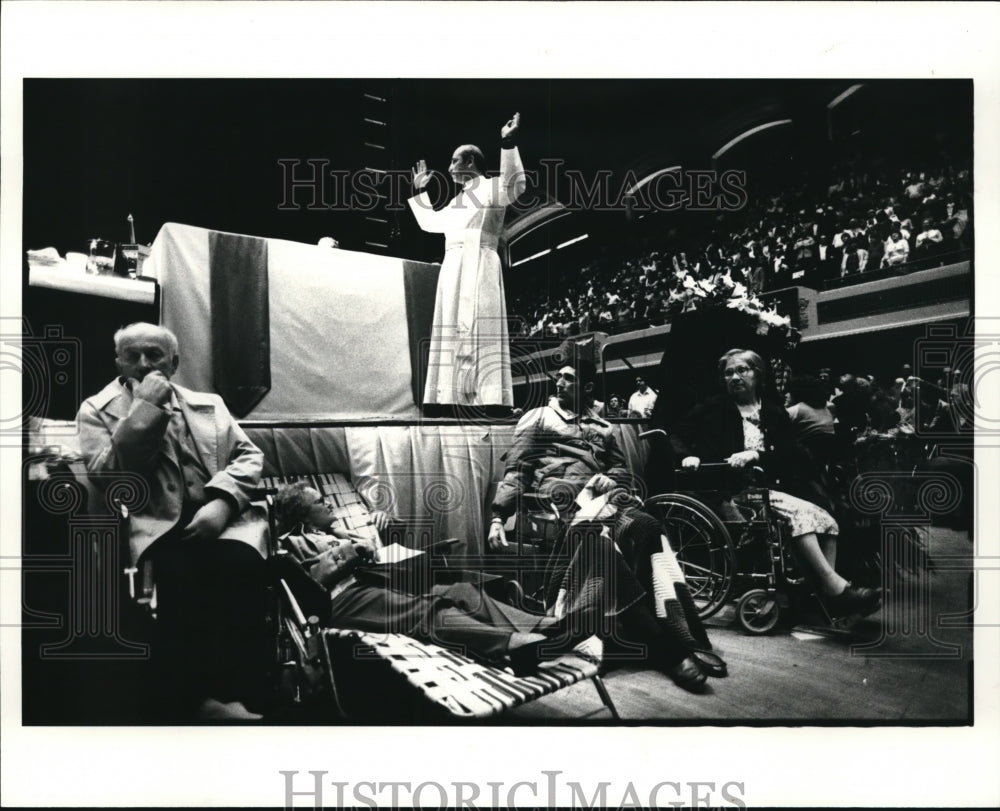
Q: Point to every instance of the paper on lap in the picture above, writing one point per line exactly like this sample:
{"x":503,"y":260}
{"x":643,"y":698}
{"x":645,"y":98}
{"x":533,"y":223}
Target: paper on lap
{"x":589,"y":504}
{"x":395,"y":553}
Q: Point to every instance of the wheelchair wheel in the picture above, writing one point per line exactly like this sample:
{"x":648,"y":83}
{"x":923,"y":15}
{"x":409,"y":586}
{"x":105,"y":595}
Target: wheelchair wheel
{"x":758,"y":611}
{"x":703,"y":548}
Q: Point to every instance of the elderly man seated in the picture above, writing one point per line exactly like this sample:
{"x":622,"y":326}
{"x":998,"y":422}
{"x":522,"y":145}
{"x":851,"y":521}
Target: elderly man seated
{"x":617,"y":558}
{"x":366,"y":597}
{"x":196,"y":525}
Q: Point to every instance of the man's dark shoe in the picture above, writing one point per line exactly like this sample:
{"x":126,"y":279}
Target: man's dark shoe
{"x":688,"y":675}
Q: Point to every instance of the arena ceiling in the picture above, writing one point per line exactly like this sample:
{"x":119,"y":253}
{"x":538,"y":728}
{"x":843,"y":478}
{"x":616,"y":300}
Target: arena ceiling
{"x":592,"y":125}
{"x":210,"y":152}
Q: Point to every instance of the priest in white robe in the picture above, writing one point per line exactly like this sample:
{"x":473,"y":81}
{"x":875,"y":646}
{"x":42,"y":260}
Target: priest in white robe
{"x":469,"y":353}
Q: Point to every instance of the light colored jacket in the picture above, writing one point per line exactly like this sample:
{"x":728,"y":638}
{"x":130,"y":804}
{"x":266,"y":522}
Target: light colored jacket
{"x":119,"y":433}
{"x":553,"y":447}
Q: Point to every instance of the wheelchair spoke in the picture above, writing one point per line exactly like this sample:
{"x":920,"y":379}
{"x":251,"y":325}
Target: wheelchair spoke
{"x":702,"y":546}
{"x":694,"y":567}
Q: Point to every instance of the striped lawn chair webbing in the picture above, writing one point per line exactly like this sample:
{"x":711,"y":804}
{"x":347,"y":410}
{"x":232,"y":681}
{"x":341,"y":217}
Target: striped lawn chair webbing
{"x":462,"y":686}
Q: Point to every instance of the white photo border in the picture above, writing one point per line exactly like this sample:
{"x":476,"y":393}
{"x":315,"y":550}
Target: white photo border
{"x":240,"y":767}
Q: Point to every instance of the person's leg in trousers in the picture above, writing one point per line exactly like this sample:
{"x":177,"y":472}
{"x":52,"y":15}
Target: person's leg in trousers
{"x":179,"y":649}
{"x":484,"y":626}
{"x":430,"y":617}
{"x":212,"y":620}
{"x":639,"y":536}
{"x":474,"y":601}
{"x":236,"y":580}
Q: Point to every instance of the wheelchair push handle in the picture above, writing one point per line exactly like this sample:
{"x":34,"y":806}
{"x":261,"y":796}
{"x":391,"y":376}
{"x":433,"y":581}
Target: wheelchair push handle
{"x":720,"y":466}
{"x":752,"y":473}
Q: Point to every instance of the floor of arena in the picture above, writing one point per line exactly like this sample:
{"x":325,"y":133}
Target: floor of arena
{"x":911,"y":663}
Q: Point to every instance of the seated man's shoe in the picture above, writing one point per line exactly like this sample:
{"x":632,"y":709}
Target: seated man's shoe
{"x":688,"y":675}
{"x":711,"y":663}
{"x":853,"y":601}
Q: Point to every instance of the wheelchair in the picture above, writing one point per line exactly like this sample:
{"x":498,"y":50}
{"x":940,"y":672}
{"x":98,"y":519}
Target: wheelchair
{"x":728,"y":550}
{"x":735,"y":549}
{"x":901,"y":458}
{"x":724,"y":551}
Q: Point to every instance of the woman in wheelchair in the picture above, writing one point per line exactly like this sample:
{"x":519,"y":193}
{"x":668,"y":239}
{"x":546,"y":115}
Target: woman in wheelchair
{"x":372,"y":598}
{"x":746,"y":429}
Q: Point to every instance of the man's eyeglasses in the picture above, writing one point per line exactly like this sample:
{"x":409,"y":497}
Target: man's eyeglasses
{"x":739,"y":371}
{"x":569,"y":377}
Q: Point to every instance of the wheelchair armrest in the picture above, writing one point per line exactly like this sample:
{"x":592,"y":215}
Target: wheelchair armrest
{"x":310,"y":597}
{"x":716,"y":467}
{"x":293,"y":605}
{"x":709,"y":467}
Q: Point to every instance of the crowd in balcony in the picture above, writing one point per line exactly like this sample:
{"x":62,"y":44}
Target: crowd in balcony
{"x":815,"y":233}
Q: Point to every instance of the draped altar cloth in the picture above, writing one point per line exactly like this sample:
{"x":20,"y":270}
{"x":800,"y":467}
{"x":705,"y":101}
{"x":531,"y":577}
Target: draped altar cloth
{"x":340,"y":343}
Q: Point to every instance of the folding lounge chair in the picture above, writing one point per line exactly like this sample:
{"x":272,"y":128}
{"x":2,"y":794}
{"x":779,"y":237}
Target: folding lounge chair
{"x":321,"y":660}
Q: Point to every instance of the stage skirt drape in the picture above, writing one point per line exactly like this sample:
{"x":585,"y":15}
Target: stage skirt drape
{"x":439,"y":478}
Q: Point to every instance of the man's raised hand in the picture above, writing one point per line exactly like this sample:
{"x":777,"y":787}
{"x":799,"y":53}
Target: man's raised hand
{"x":511,"y":127}
{"x":154,"y":388}
{"x":421,"y":177}
{"x":600,"y":484}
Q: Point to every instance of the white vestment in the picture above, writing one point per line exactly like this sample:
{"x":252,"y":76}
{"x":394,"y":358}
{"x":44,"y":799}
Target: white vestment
{"x":469,"y":352}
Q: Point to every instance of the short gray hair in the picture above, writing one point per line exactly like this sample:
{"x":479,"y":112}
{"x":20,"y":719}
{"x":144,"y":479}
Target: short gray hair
{"x":754,"y":361}
{"x":291,"y":506}
{"x":121,"y":334}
